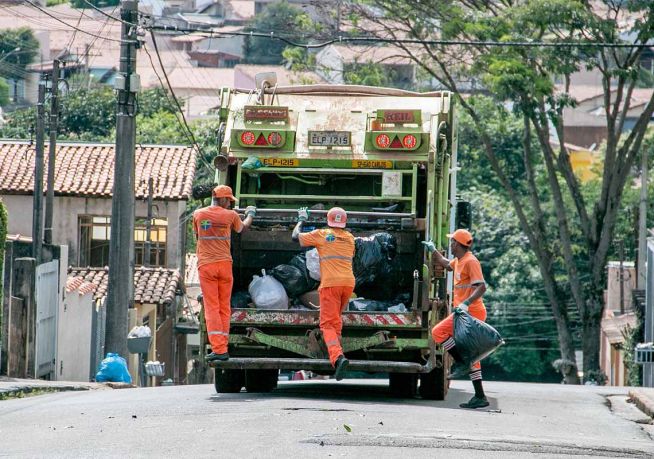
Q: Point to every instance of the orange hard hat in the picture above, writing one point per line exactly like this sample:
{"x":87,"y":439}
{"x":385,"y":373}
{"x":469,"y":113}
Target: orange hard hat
{"x":224,"y":191}
{"x":336,"y":217}
{"x":462,"y":236}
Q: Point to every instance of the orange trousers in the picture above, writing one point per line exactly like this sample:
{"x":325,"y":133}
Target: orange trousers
{"x":216,"y":282}
{"x":445,"y":328}
{"x":333,"y":301}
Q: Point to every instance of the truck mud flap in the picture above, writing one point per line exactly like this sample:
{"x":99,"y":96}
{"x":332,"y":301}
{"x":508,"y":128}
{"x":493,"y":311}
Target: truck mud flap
{"x":373,"y":366}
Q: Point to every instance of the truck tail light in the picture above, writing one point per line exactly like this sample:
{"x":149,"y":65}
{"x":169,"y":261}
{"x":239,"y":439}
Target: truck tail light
{"x":247,"y":138}
{"x":274,"y":138}
{"x":409,"y":141}
{"x":383,"y":141}
{"x":261,"y":140}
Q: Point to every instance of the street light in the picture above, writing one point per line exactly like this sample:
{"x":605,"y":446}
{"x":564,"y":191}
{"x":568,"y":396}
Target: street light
{"x":15,"y":50}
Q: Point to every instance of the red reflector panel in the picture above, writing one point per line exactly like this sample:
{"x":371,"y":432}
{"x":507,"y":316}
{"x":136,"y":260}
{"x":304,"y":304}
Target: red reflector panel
{"x":247,"y":138}
{"x":261,"y":140}
{"x":383,"y":141}
{"x":409,"y":141}
{"x":396,"y":143}
{"x":274,"y":138}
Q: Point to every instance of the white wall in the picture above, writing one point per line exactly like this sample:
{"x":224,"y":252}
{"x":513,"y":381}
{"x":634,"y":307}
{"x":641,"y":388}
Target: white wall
{"x":67,"y":211}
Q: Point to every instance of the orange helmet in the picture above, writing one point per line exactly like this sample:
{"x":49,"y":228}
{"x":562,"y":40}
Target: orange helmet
{"x":336,"y":217}
{"x":462,"y":236}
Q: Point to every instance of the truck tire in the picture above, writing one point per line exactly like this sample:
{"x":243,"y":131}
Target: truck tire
{"x":434,"y":385}
{"x":229,"y":381}
{"x":403,"y":385}
{"x":261,"y":380}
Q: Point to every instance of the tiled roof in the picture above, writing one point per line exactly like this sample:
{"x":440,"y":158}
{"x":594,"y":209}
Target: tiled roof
{"x":151,"y":285}
{"x":84,"y":169}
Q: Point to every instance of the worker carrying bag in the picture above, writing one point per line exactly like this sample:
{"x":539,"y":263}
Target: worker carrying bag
{"x":475,"y":340}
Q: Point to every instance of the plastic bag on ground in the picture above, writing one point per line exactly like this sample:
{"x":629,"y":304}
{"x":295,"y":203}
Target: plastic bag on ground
{"x":474,"y":339}
{"x":267,"y":292}
{"x":240,"y":300}
{"x":313,"y":264}
{"x":113,"y":369}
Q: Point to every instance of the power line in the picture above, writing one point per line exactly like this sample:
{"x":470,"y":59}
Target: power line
{"x":405,"y":41}
{"x":69,"y":25}
{"x":109,"y":16}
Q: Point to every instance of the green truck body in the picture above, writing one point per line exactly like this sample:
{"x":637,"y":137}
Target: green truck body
{"x":385,"y":156}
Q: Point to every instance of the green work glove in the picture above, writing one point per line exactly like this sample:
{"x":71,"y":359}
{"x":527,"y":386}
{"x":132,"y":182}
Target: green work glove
{"x":430,"y":246}
{"x":462,"y":307}
{"x":303,"y":214}
{"x":250,"y":211}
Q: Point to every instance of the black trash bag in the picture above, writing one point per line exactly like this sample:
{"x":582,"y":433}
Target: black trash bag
{"x":295,"y":281}
{"x":300,"y":262}
{"x":364,"y":304}
{"x":241,"y":300}
{"x":474,"y":339}
{"x":374,"y":267}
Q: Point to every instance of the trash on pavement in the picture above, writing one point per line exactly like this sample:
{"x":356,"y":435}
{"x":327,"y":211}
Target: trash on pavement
{"x":113,"y":369}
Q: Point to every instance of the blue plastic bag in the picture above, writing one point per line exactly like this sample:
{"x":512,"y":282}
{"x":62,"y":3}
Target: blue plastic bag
{"x":113,"y":369}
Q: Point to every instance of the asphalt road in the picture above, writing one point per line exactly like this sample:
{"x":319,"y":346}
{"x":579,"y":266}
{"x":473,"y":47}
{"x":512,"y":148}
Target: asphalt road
{"x":308,"y":419}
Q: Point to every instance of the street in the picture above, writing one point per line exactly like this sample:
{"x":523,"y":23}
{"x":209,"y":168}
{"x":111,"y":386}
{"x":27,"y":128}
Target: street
{"x":353,"y":418}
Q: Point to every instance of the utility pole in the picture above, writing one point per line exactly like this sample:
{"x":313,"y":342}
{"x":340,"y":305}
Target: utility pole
{"x":642,"y":222}
{"x":148,"y":226}
{"x":52,"y":147}
{"x":37,"y":208}
{"x":120,"y":292}
{"x":621,"y":254}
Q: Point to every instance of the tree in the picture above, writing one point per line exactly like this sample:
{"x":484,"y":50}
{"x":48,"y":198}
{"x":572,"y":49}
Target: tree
{"x":4,"y":92}
{"x":82,"y":4}
{"x":281,"y":19}
{"x":524,"y":76}
{"x":18,"y":48}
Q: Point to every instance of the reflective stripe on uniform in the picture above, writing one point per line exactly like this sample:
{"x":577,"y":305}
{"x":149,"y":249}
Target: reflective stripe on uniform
{"x":218,"y":333}
{"x":216,"y":238}
{"x":335,"y":257}
{"x":333,"y":342}
{"x":469,"y":285}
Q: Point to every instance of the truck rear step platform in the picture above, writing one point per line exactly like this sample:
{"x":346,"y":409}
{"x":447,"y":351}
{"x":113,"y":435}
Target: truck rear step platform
{"x":263,"y":363}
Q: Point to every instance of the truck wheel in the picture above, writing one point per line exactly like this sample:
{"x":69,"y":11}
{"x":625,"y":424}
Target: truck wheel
{"x":229,"y":381}
{"x":261,"y":380}
{"x":434,"y":385}
{"x":403,"y":385}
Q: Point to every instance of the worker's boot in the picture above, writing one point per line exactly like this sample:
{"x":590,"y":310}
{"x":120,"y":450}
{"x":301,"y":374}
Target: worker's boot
{"x":340,"y":365}
{"x":213,"y":356}
{"x":475,"y":402}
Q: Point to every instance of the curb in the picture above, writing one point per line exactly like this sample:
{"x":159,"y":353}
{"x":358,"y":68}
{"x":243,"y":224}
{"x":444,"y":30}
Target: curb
{"x":643,"y":401}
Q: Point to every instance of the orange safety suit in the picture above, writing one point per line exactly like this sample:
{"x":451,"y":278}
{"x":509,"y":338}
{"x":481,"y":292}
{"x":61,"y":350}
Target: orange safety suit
{"x":467,"y":276}
{"x":336,"y":251}
{"x":213,"y":227}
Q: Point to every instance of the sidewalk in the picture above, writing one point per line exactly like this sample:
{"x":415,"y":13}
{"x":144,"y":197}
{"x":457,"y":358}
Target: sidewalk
{"x":643,"y":397}
{"x":14,"y":387}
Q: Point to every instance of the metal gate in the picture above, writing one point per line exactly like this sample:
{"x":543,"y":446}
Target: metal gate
{"x":47,"y":304}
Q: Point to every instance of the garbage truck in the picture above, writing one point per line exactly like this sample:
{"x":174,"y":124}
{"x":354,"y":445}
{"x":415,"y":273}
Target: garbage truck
{"x":384,"y":155}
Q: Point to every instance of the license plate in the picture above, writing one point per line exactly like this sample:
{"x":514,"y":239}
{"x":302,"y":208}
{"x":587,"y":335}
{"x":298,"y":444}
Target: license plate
{"x":329,"y":138}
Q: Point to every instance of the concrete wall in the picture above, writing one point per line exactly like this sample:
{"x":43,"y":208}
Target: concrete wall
{"x":67,"y":211}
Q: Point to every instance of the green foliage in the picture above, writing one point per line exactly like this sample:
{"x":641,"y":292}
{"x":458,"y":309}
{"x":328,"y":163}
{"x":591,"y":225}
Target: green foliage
{"x":18,"y":48}
{"x":368,"y":74}
{"x":4,"y":92}
{"x":50,"y":3}
{"x":282,"y":19}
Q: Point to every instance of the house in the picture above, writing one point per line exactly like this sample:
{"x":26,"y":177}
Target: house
{"x":221,"y":50}
{"x":334,"y":62}
{"x":84,"y":174}
{"x":158,"y":296}
{"x":244,"y":76}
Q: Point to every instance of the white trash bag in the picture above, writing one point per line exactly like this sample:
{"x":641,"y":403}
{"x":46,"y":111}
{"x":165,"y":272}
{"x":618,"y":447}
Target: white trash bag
{"x":267,"y":292}
{"x":313,"y":264}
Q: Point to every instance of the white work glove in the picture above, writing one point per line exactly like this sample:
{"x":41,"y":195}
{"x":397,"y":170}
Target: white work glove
{"x":250,"y":211}
{"x":303,"y":214}
{"x":430,"y":246}
{"x":463,"y":306}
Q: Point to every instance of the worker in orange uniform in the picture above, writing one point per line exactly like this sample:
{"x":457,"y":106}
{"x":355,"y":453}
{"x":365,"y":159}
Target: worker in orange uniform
{"x":213,"y":226}
{"x":469,"y":286}
{"x":335,"y":248}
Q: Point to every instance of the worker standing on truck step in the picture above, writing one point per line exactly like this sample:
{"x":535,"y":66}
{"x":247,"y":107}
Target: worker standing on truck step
{"x":213,"y":227}
{"x":469,"y":287}
{"x":336,"y":252}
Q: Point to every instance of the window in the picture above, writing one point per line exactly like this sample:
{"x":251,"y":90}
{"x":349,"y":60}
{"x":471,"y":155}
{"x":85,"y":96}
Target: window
{"x":94,"y":234}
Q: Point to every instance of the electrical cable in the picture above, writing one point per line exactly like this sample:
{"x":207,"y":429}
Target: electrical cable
{"x":109,"y":16}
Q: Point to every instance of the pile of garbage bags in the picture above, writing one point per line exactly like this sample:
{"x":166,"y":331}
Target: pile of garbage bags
{"x":296,"y":282}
